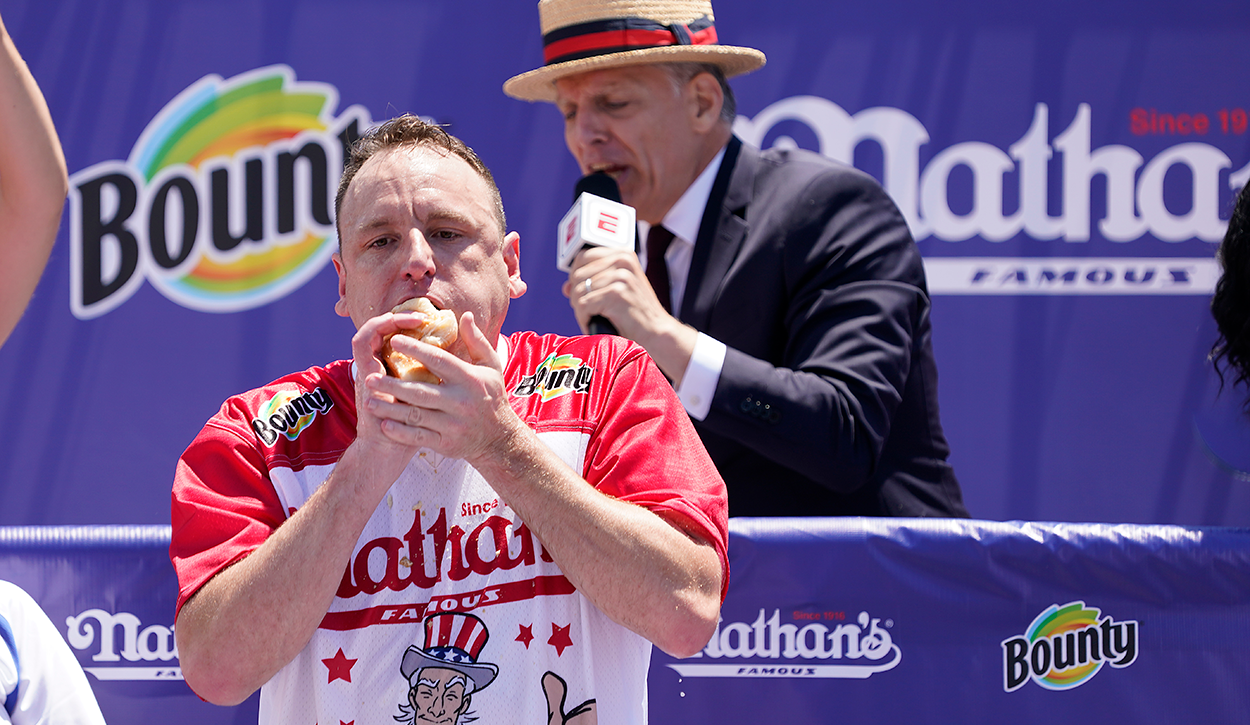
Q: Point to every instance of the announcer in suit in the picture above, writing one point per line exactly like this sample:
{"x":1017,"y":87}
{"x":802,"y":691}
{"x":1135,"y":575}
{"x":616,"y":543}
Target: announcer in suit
{"x":779,"y":291}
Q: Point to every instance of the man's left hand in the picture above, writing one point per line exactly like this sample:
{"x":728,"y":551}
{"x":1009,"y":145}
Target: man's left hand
{"x":468,"y":416}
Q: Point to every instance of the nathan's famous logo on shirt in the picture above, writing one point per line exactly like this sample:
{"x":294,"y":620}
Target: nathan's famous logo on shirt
{"x":813,"y":645}
{"x":288,"y":413}
{"x":225,"y":201}
{"x":117,"y":639}
{"x":448,"y":549}
{"x":557,"y":375}
{"x":1067,"y":645}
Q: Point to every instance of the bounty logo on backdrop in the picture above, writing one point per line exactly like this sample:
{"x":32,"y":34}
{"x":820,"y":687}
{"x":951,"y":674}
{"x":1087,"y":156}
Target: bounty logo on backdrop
{"x":225,"y":203}
{"x":1067,"y":645}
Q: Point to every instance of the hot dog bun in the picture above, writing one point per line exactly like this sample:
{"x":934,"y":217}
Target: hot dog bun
{"x":439,"y":328}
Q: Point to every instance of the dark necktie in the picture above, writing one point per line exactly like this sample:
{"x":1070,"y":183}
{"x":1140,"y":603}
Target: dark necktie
{"x":658,"y":240}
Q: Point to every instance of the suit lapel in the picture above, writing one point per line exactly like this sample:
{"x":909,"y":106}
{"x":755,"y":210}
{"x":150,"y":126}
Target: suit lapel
{"x":720,"y":233}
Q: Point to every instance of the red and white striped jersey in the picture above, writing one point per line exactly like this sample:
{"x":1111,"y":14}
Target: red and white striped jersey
{"x":443,"y":542}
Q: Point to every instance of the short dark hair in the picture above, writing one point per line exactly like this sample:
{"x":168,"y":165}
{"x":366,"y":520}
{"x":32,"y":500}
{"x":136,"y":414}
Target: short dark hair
{"x":1230,"y":305}
{"x":683,"y":73}
{"x":409,"y":130}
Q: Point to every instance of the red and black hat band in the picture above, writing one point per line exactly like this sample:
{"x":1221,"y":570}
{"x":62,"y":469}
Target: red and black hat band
{"x":603,"y":37}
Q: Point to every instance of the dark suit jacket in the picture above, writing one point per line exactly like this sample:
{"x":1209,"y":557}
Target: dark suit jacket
{"x":827,"y":402}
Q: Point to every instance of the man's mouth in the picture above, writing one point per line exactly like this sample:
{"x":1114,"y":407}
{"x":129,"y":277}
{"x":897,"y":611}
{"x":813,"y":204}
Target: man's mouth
{"x":613,"y":170}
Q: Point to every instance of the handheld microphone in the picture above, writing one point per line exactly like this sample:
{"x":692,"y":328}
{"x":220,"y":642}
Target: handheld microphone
{"x":597,"y":219}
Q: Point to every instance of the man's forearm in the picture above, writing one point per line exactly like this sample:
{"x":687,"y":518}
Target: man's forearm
{"x":642,"y":571}
{"x":253,"y":618}
{"x":33,"y":183}
{"x":29,"y":151}
{"x":670,"y":345}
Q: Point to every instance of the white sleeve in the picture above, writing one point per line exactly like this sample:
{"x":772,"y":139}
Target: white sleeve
{"x":698,"y":384}
{"x":52,"y":689}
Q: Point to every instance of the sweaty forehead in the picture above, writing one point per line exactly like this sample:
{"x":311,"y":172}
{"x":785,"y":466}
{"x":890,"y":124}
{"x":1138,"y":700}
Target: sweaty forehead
{"x":418,"y":180}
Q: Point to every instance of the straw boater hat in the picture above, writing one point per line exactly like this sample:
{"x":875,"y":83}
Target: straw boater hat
{"x":584,"y":35}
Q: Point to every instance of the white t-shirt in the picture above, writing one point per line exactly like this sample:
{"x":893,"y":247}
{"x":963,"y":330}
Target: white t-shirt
{"x":41,"y":682}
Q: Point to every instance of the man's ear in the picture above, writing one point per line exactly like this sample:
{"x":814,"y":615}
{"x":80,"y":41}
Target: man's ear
{"x":707,"y":100}
{"x":512,"y":258}
{"x":340,"y":307}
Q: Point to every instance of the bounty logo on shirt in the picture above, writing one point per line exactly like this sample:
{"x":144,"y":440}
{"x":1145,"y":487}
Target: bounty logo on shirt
{"x":225,"y":201}
{"x":1065,"y":646}
{"x":557,"y":375}
{"x":289,"y":413}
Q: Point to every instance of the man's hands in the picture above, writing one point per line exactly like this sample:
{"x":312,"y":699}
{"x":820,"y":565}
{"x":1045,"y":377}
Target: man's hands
{"x":468,"y":416}
{"x":619,"y":291}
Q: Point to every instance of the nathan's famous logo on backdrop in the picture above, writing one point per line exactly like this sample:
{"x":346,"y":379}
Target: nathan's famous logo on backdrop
{"x":1130,"y":190}
{"x":225,"y":202}
{"x":1067,"y":645}
{"x":116,"y":639}
{"x":813,"y":645}
{"x":289,"y":413}
{"x":557,"y":375}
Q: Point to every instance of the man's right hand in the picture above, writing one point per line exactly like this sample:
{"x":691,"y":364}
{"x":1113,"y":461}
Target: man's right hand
{"x":619,"y":291}
{"x":390,"y":456}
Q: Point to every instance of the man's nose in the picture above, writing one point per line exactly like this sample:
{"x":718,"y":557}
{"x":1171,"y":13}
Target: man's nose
{"x":418,"y":256}
{"x":587,"y":129}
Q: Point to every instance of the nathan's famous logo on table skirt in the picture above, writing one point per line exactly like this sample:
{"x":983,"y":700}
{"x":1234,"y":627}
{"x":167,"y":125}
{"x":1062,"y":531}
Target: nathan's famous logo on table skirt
{"x":816,"y":645}
{"x":225,"y":202}
{"x":122,"y":648}
{"x":1067,"y":645}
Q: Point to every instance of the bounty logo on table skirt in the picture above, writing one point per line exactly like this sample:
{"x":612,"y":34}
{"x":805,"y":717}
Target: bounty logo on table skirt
{"x":1067,"y":645}
{"x":808,"y":649}
{"x":225,"y":203}
{"x":557,"y":375}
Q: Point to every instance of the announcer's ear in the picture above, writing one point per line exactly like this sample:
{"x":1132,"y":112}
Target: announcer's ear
{"x":706,"y":101}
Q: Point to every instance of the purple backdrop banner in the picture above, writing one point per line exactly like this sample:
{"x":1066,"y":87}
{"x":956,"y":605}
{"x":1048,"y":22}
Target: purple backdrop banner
{"x":827,"y":620}
{"x":1067,"y":170}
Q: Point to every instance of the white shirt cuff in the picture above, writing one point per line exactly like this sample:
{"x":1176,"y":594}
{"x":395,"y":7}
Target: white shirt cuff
{"x":698,"y":384}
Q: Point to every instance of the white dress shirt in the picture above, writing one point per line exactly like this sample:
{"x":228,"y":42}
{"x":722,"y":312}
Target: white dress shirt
{"x":698,"y":383}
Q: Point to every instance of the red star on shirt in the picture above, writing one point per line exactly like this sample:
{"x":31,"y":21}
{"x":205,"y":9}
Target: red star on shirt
{"x":340,"y":668}
{"x":560,"y":638}
{"x":526,"y":636}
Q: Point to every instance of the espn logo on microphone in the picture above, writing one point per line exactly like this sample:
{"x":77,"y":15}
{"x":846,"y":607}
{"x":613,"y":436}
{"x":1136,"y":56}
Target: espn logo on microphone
{"x":596,"y":222}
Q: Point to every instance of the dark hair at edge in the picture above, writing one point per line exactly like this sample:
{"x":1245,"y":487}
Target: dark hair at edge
{"x":408,"y":130}
{"x":1230,"y":305}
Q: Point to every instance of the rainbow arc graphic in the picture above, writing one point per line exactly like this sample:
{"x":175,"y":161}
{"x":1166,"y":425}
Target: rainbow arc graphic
{"x":214,"y":119}
{"x":1057,"y":621}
